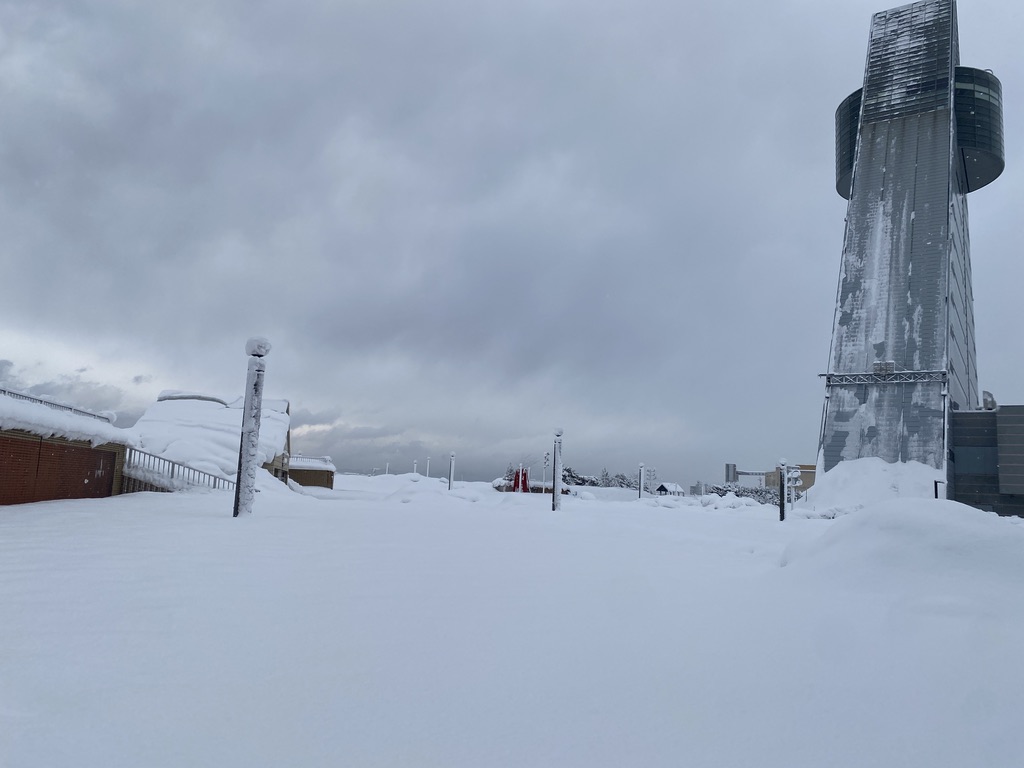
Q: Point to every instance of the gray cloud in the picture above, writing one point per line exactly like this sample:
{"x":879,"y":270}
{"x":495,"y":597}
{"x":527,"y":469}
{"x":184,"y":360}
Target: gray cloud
{"x":461,"y":225}
{"x":84,"y":393}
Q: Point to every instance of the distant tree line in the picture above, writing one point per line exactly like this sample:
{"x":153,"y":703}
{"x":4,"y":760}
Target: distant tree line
{"x":759,"y":494}
{"x":604,"y":480}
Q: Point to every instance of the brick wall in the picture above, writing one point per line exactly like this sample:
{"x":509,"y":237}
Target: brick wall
{"x":45,"y":469}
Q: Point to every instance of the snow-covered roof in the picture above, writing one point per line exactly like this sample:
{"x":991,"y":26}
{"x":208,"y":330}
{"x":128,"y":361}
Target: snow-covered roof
{"x":37,"y":417}
{"x":203,"y":432}
{"x":322,"y":463}
{"x":671,"y":487}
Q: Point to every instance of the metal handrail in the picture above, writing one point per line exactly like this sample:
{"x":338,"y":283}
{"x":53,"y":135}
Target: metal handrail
{"x":55,"y":406}
{"x":169,"y":475}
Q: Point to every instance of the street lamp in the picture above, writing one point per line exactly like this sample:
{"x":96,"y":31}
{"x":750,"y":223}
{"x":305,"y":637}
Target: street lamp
{"x":556,"y":474}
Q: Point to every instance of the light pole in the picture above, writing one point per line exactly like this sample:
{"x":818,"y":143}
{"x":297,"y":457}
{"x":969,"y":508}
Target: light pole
{"x":640,"y":482}
{"x":428,"y":466}
{"x":783,"y":481}
{"x":414,"y":467}
{"x":451,"y":470}
{"x":544,"y":470}
{"x":248,"y":446}
{"x":556,"y":474}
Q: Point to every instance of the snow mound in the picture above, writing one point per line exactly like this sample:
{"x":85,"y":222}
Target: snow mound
{"x":928,"y":537}
{"x":257,"y":346}
{"x":855,"y":484}
{"x":729,"y":501}
{"x":203,"y":432}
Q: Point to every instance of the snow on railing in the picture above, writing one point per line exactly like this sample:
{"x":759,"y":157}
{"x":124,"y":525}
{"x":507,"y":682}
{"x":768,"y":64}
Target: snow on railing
{"x":144,"y":471}
{"x":55,"y":406}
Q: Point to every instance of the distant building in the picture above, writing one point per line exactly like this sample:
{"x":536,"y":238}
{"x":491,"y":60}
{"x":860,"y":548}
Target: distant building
{"x":670,"y":489}
{"x":807,"y":475}
{"x":745,"y":477}
{"x":987,"y":459}
{"x":317,"y":471}
{"x":920,"y":135}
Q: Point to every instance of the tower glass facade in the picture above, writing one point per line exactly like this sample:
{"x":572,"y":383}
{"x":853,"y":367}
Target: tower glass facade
{"x":902,"y":349}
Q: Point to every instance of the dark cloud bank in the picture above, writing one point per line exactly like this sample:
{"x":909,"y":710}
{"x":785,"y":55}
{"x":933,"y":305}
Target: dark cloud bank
{"x":461,"y":225}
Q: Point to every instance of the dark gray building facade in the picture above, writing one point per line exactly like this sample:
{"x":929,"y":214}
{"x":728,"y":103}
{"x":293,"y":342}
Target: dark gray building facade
{"x":986,"y":469}
{"x":911,"y":144}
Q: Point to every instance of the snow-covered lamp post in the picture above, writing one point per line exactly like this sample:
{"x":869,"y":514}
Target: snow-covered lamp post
{"x":414,"y":461}
{"x":783,"y":481}
{"x":245,"y":483}
{"x":428,"y":466}
{"x":556,"y":474}
{"x":640,"y":482}
{"x":451,"y":470}
{"x":794,"y":480}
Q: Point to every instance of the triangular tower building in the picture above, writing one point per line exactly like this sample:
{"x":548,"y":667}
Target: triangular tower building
{"x":921,"y":134}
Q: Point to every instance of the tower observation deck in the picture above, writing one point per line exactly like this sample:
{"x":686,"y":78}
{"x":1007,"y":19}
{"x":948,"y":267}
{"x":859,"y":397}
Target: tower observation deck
{"x":921,"y":134}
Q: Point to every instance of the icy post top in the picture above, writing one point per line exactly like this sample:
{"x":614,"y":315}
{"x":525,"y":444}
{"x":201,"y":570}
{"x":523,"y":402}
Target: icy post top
{"x":257,"y":346}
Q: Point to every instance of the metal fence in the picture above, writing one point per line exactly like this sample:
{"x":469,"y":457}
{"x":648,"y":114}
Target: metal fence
{"x":146,"y":472}
{"x":55,"y":406}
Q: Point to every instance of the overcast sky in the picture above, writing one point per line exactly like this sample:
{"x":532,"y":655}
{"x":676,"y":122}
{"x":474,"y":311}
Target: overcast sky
{"x":461,"y":224}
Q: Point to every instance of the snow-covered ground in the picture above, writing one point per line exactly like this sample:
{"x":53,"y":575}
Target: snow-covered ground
{"x":391,"y":622}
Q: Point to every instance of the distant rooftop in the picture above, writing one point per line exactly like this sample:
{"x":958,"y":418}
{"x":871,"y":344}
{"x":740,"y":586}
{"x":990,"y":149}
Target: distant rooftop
{"x":312,"y":462}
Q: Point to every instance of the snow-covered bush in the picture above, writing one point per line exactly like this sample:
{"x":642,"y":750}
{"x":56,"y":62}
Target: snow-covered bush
{"x":760,"y":495}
